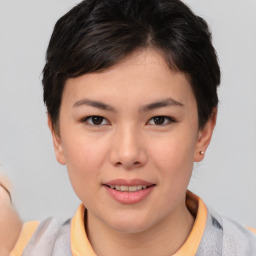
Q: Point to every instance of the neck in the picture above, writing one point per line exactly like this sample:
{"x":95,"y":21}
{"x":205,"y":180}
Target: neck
{"x":164,"y":239}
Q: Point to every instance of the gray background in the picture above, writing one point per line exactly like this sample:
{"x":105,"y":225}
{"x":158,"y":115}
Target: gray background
{"x":226,"y":179}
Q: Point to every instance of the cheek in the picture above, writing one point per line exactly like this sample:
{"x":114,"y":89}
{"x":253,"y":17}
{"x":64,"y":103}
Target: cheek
{"x":174,"y":155}
{"x":84,"y":159}
{"x":84,"y":152}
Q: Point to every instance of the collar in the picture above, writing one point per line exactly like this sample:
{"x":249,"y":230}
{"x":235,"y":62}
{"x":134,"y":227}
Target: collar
{"x":80,"y":244}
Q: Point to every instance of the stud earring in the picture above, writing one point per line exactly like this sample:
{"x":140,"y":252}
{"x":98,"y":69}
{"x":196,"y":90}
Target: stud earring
{"x":201,"y":152}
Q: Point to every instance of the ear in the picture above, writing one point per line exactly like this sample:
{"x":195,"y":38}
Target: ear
{"x":204,"y":137}
{"x":56,"y":142}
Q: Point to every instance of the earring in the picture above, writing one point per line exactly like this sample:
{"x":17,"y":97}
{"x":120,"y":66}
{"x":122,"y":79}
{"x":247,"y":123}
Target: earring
{"x":201,"y":152}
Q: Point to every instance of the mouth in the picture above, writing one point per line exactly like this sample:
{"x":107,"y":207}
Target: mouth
{"x":129,"y":192}
{"x":131,"y":189}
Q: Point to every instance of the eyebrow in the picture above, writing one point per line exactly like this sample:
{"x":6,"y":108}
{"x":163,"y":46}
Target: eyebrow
{"x":95,"y":104}
{"x":160,"y":104}
{"x":155,"y":105}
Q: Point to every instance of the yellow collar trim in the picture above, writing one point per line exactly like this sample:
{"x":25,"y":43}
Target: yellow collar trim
{"x":80,"y":244}
{"x":192,"y":243}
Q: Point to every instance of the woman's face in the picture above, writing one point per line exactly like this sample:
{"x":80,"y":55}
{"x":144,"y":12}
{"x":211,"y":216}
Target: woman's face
{"x":129,"y":137}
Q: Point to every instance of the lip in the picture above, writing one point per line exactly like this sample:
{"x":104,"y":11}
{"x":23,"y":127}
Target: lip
{"x":129,"y":197}
{"x":133,"y":182}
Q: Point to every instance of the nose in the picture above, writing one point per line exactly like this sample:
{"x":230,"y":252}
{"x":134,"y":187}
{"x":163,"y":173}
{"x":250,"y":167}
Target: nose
{"x":127,"y":149}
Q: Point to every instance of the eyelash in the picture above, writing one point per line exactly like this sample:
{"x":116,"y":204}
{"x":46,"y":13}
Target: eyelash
{"x":85,"y":120}
{"x":169,"y":120}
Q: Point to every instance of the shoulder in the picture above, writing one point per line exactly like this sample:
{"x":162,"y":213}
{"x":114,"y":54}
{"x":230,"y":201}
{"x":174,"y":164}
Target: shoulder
{"x":234,"y":239}
{"x":43,"y":238}
{"x":238,"y":238}
{"x":26,"y":233}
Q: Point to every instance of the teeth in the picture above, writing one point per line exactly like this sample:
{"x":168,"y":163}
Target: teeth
{"x":124,"y":188}
{"x":132,"y":188}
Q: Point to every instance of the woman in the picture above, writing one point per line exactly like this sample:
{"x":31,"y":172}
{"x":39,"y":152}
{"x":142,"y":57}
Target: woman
{"x":131,"y":94}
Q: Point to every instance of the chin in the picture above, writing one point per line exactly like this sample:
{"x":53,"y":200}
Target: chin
{"x":130,"y":225}
{"x":130,"y":229}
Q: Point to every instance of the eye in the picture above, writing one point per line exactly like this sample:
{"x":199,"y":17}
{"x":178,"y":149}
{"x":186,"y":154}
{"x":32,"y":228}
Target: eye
{"x":161,"y":120}
{"x":95,"y":120}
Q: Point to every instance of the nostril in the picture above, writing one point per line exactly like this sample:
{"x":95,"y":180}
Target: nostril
{"x":118,"y":164}
{"x":128,"y":165}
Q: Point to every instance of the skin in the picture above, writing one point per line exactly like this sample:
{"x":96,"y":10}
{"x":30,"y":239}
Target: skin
{"x":10,"y":222}
{"x":128,"y":144}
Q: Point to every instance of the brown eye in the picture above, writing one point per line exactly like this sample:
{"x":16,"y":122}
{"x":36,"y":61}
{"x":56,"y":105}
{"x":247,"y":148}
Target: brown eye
{"x":95,"y":120}
{"x":161,"y":120}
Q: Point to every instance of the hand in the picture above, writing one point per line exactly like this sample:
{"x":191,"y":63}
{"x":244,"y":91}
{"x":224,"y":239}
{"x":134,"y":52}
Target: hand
{"x":10,"y":223}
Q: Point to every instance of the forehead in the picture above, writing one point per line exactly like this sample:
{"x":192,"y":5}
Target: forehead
{"x":142,"y":76}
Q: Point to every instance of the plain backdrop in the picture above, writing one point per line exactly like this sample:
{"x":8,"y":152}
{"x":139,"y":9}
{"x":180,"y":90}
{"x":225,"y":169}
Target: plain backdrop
{"x":226,"y":179}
